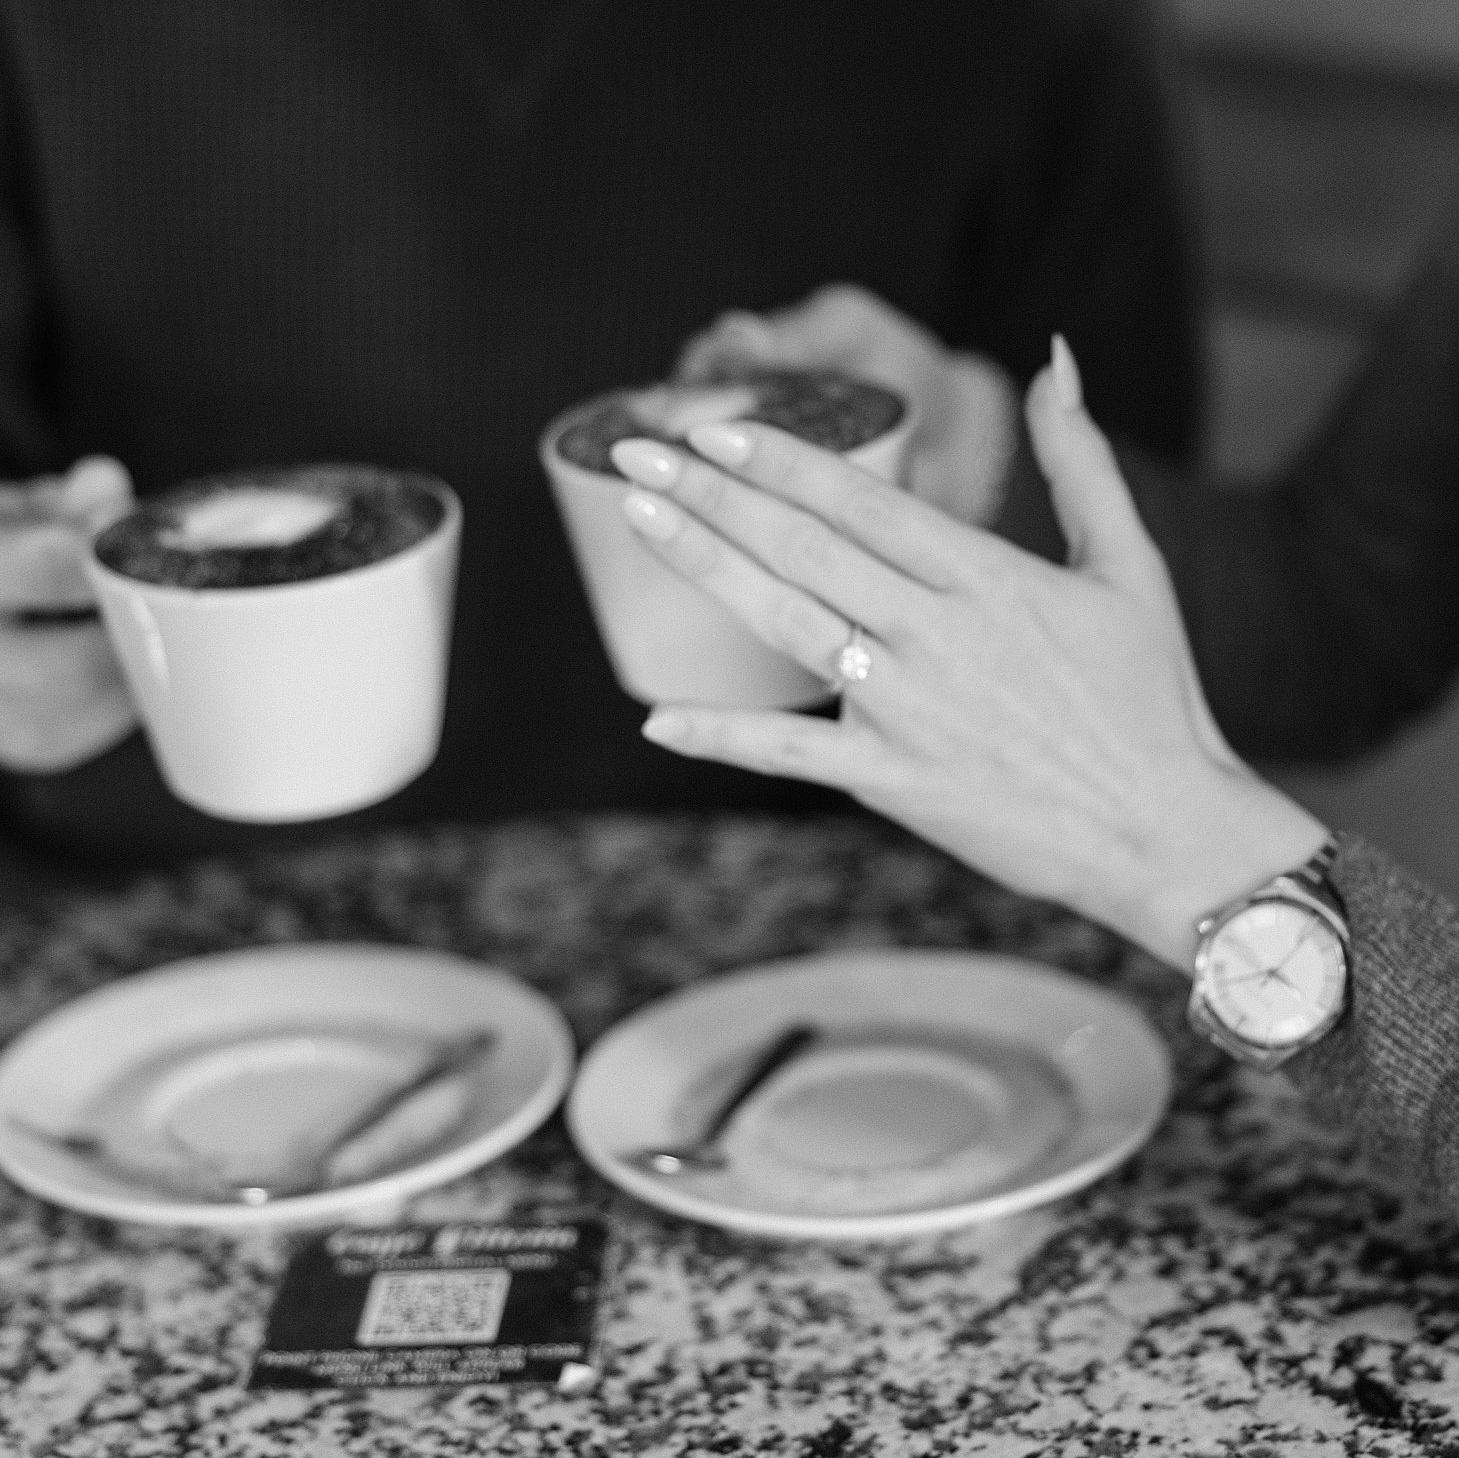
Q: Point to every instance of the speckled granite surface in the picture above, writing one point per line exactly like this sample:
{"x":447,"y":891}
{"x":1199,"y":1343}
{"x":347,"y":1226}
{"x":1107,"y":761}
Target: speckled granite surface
{"x":1245,"y":1286}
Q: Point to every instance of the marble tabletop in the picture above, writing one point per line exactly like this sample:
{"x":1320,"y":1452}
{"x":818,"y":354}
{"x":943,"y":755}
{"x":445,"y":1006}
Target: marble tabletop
{"x":1245,"y":1285}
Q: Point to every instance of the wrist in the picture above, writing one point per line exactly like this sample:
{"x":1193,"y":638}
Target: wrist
{"x":1234,"y":834}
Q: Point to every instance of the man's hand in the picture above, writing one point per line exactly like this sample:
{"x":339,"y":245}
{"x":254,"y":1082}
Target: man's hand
{"x":62,"y":699}
{"x":967,"y":406}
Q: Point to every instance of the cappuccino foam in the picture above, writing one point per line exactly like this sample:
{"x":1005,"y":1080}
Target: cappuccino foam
{"x":824,"y":407}
{"x":267,"y":528}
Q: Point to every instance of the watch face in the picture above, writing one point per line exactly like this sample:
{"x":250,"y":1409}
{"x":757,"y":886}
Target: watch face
{"x":1274,"y":973}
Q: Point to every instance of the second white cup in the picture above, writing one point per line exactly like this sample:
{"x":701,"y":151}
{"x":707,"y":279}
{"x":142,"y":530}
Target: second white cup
{"x":667,"y":640}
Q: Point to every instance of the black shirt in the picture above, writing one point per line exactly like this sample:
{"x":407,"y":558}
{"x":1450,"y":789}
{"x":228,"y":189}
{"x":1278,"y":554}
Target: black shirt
{"x":238,"y":235}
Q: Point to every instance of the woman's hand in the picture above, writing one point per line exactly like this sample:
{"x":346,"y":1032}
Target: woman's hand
{"x":967,"y":409}
{"x":62,"y":699}
{"x":1044,"y":724}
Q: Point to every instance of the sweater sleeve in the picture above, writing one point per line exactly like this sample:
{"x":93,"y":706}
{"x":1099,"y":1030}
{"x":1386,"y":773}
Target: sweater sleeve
{"x":1324,"y":611}
{"x":1390,"y":1070}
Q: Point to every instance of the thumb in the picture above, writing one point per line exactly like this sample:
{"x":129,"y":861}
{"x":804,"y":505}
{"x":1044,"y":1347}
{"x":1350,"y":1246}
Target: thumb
{"x":737,"y":339}
{"x":1105,"y":534}
{"x":93,"y":493}
{"x":44,"y":528}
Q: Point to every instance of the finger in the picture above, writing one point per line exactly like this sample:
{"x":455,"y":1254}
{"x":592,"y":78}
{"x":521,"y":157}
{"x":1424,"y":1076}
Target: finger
{"x":41,"y":568}
{"x":838,"y":326}
{"x":915,"y":538}
{"x":736,"y":338}
{"x":62,"y":698}
{"x":835,"y":325}
{"x":45,"y":528}
{"x":1092,"y":502}
{"x":778,"y":613}
{"x":95,"y":492}
{"x":966,"y":439}
{"x":92,"y":494}
{"x":1103,"y":525}
{"x":23,"y":502}
{"x":794,"y":544}
{"x":768,"y":742}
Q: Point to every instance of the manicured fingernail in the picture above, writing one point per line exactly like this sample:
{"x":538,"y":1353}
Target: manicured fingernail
{"x":647,"y":462}
{"x":1067,"y":386}
{"x":722,"y":443}
{"x":651,"y":515}
{"x":664,"y":726}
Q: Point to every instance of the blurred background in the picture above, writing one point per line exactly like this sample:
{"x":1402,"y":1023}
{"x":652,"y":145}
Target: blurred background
{"x":1325,"y":138}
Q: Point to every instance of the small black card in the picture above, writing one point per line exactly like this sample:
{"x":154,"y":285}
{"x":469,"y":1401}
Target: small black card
{"x":428,"y":1305}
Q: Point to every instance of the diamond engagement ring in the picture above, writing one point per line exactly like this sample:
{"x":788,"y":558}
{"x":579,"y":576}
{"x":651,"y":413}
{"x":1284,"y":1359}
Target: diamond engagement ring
{"x":853,"y":663}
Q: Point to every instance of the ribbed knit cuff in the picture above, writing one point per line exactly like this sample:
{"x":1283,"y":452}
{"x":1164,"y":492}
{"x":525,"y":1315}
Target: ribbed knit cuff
{"x":1390,"y":1070}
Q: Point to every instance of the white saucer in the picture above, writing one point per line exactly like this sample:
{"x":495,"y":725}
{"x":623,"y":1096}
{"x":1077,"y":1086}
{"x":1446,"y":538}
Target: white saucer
{"x":947,"y":1088}
{"x":237,"y":1059}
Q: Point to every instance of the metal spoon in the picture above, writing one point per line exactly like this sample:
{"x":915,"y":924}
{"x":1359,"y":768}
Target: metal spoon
{"x":205,"y":1182}
{"x":91,"y":1150}
{"x":310,"y":1176}
{"x":702,"y":1155}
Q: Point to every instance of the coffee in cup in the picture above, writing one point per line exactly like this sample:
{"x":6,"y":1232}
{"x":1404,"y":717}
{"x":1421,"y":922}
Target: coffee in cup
{"x":284,"y":633}
{"x":667,"y":640}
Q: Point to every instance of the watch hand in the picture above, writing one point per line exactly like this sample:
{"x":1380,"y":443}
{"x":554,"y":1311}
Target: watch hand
{"x":1247,"y":955}
{"x":1297,"y":945}
{"x":1264,"y":973}
{"x":1273,"y":974}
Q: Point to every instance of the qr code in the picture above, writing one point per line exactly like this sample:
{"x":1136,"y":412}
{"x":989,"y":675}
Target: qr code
{"x":433,"y":1308}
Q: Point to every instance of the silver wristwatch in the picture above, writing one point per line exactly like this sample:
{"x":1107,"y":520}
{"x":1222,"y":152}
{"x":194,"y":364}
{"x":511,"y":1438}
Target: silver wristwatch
{"x":1271,"y":972}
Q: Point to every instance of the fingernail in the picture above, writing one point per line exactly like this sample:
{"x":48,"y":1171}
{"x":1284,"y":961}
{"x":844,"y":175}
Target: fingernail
{"x":647,"y":462}
{"x":664,"y":726}
{"x":1068,"y":389}
{"x":722,"y":443}
{"x":651,"y":515}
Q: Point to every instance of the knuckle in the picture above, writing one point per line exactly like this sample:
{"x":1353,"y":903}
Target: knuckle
{"x":778,"y":750}
{"x":939,"y":641}
{"x":703,"y":489}
{"x":865,"y":511}
{"x":810,"y":550}
{"x":841,"y":297}
{"x":697,"y":737}
{"x":797,"y":625}
{"x":771,"y":459}
{"x":790,"y":750}
{"x":34,"y":741}
{"x":26,"y":667}
{"x":693,"y":553}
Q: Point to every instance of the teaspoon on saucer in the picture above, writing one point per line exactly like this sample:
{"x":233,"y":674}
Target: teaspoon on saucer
{"x":92,"y":1150}
{"x":204,"y":1181}
{"x":309,"y":1174}
{"x":703,"y":1155}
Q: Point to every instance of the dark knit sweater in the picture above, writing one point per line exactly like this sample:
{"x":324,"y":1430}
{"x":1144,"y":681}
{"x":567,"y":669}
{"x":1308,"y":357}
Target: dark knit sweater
{"x":1389,"y":1072}
{"x":1324,"y":615}
{"x":1323,"y":609}
{"x":234,"y":235}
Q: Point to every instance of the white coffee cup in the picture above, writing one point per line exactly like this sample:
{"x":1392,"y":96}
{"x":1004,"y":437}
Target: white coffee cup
{"x":298,"y":700}
{"x":668,"y":641}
